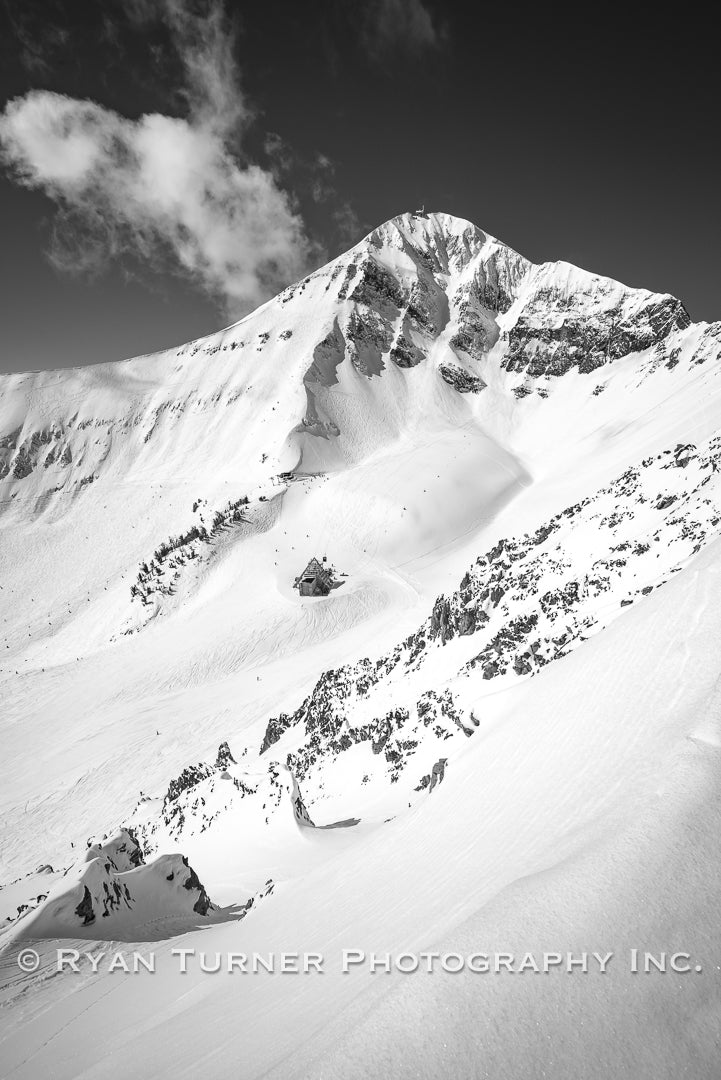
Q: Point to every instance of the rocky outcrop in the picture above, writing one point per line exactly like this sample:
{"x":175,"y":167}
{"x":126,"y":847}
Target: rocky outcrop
{"x":405,"y":354}
{"x":19,"y":457}
{"x":460,"y":380}
{"x":376,"y":287}
{"x":193,"y":883}
{"x":224,"y":757}
{"x":120,"y":849}
{"x":84,"y":910}
{"x":369,"y":337}
{"x":555,"y":333}
{"x":275,"y":728}
{"x":435,"y":776}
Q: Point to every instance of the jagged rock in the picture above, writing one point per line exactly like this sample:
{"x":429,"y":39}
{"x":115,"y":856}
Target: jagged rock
{"x":684,"y":454}
{"x":376,"y":286}
{"x":545,"y":347}
{"x":188,"y":778}
{"x":460,"y":380}
{"x":369,"y":336}
{"x":274,"y":730}
{"x":224,"y":757}
{"x":203,"y":904}
{"x":24,"y":464}
{"x":440,"y":620}
{"x":84,"y":910}
{"x":438,"y":773}
{"x":405,"y":354}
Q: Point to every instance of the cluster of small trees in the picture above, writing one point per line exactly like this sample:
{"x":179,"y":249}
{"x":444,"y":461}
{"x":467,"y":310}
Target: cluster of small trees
{"x":177,"y":550}
{"x":196,"y":532}
{"x":230,"y":514}
{"x":149,"y":574}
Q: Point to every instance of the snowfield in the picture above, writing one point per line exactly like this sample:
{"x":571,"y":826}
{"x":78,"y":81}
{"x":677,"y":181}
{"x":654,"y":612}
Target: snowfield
{"x":498,"y":732}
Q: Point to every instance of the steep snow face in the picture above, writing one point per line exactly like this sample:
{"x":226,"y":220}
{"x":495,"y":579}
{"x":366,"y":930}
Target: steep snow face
{"x":149,"y":418}
{"x":498,"y":460}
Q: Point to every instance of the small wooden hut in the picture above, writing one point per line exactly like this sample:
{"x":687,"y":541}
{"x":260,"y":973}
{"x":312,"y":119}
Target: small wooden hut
{"x":316,"y":579}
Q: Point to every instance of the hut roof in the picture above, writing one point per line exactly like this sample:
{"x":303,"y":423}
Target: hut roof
{"x":314,"y":568}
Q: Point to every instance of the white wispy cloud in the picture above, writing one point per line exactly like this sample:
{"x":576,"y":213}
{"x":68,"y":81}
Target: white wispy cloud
{"x":163,"y":187}
{"x":400,"y":24}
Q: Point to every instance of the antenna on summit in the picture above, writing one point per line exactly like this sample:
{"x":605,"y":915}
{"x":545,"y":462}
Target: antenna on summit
{"x":421,"y":212}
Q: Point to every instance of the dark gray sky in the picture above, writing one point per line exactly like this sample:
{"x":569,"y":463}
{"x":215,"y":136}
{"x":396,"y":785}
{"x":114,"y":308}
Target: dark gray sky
{"x":280,"y":133}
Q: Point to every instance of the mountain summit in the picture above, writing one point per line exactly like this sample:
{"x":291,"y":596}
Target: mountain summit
{"x":411,"y":387}
{"x":425,"y":291}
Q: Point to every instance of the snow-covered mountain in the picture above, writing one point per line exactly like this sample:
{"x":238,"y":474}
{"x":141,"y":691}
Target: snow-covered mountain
{"x":497,"y":460}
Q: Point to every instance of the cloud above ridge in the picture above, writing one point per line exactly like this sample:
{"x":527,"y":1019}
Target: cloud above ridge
{"x":174,"y":191}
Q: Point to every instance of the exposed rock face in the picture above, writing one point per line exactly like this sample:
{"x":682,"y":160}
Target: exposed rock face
{"x":327,"y":718}
{"x":556,"y":332}
{"x":327,"y":356}
{"x":120,"y":850}
{"x":369,"y":337}
{"x":299,"y":807}
{"x":274,"y":730}
{"x":464,"y":617}
{"x":24,"y":463}
{"x":188,"y":778}
{"x":435,"y":776}
{"x":460,"y":380}
{"x":377,"y":288}
{"x":21,"y":454}
{"x":477,"y":303}
{"x":193,"y":884}
{"x":84,"y":910}
{"x":224,"y":757}
{"x":405,"y":354}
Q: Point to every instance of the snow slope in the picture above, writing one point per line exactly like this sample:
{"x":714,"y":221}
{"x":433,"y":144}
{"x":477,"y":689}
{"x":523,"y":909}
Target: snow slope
{"x":514,"y":470}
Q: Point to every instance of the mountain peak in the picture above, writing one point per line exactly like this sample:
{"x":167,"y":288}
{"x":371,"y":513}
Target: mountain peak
{"x":428,"y":231}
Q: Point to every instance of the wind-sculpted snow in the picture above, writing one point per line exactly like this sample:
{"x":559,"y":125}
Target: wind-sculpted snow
{"x":118,"y":852}
{"x":112,"y":893}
